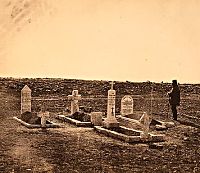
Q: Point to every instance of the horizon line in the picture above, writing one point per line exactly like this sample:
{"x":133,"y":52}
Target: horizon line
{"x":108,"y":80}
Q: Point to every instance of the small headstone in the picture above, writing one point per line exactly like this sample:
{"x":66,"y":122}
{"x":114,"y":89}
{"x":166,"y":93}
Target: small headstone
{"x":145,"y":121}
{"x":25,"y":99}
{"x":126,"y":105}
{"x":43,"y":116}
{"x":74,"y":98}
{"x":96,"y":118}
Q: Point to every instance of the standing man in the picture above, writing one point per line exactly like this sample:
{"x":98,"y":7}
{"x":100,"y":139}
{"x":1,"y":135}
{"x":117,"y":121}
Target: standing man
{"x":174,"y":98}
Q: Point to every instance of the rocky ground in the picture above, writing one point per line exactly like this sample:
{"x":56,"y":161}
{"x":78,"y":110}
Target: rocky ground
{"x":73,"y":149}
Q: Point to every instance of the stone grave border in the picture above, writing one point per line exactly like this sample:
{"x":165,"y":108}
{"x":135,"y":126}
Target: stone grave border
{"x":31,"y":126}
{"x":74,"y":121}
{"x":127,"y":138}
{"x":162,"y":125}
{"x":138,"y":138}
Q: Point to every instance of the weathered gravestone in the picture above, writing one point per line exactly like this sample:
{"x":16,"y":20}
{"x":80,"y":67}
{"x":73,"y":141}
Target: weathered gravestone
{"x":145,"y":122}
{"x":25,"y":99}
{"x":96,"y":118}
{"x":126,"y":105}
{"x":74,"y":98}
{"x":43,"y":116}
{"x":111,"y":120}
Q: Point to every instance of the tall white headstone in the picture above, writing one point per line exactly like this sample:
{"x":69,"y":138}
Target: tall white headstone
{"x":74,"y":98}
{"x":111,"y":120}
{"x":111,"y":103}
{"x":25,"y":99}
{"x":126,"y":105}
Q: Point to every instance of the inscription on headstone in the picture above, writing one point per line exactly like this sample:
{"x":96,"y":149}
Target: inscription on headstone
{"x":126,"y":105}
{"x":25,"y":99}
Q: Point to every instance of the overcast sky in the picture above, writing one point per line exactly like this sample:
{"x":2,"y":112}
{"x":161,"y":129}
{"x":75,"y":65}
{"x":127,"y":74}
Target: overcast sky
{"x":135,"y":40}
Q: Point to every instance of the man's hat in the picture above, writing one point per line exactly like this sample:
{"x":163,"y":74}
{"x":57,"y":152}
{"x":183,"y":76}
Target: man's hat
{"x":174,"y":82}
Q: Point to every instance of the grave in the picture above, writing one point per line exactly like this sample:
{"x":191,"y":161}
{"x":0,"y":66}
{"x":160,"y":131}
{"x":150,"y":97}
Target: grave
{"x":126,"y":105}
{"x":112,"y":128}
{"x":31,"y":119}
{"x":76,"y":117}
{"x":25,"y":99}
{"x":131,"y":135}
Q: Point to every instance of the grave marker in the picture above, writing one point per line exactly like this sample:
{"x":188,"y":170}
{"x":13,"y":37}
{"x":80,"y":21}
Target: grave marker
{"x":126,"y":105}
{"x":43,"y":116}
{"x":96,"y":118}
{"x":145,"y":121}
{"x":111,"y":120}
{"x":25,"y":99}
{"x":111,"y":102}
{"x":74,"y":98}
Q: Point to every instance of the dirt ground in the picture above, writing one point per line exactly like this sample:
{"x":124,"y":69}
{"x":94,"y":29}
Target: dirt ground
{"x":74,"y":150}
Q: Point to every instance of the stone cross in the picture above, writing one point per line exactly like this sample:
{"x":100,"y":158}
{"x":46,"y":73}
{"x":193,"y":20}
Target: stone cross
{"x":43,"y":116}
{"x":74,"y":98}
{"x":112,"y":84}
{"x":25,"y":99}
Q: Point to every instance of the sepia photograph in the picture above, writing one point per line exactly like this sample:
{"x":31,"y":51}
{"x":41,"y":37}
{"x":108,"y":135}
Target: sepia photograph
{"x":99,"y":86}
